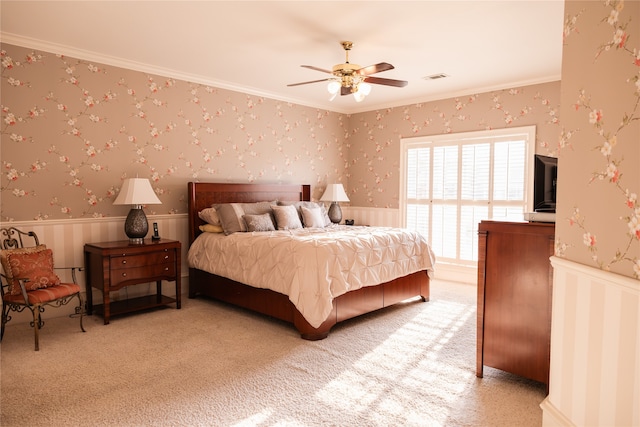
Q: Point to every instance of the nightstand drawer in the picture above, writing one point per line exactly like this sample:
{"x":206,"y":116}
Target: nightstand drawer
{"x":120,"y":275}
{"x":131,"y":261}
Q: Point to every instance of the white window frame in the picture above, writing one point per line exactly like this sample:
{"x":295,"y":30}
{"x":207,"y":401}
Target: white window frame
{"x":526,"y":132}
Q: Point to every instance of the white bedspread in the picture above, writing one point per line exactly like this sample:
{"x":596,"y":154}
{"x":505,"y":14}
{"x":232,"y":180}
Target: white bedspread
{"x":313,"y":265}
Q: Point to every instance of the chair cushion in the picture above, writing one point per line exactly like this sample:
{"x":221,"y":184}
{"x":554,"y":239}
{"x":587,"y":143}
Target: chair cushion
{"x":45,"y":295}
{"x":35,"y":264}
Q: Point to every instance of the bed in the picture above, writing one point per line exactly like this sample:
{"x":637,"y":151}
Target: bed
{"x":352,"y":303}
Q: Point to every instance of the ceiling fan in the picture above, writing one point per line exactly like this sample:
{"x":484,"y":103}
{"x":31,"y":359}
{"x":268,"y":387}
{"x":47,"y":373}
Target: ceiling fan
{"x":352,"y":78}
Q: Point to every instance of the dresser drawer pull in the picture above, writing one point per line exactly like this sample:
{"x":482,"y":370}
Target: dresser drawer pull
{"x":166,"y":269}
{"x":124,"y":274}
{"x":166,"y":257}
{"x":124,"y":261}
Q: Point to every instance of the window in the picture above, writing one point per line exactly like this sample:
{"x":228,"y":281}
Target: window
{"x":452,"y":182}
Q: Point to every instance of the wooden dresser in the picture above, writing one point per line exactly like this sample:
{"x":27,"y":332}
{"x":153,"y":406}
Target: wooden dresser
{"x":514,"y":297}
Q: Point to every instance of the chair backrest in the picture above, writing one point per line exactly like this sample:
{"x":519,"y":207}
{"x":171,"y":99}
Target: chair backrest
{"x":14,"y":238}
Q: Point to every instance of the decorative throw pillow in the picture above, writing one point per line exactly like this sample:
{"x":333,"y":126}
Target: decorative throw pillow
{"x":210,"y":228}
{"x":310,"y":205}
{"x":287,"y":217}
{"x":210,"y":216}
{"x":35,"y":264}
{"x":259,"y":222}
{"x":312,"y":217}
{"x":231,"y":214}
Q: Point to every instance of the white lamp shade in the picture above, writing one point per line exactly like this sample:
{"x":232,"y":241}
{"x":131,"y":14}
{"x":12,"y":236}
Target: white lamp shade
{"x":334,"y":193}
{"x":137,"y":191}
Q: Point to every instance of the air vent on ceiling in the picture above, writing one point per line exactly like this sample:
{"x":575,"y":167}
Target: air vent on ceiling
{"x":436,"y":76}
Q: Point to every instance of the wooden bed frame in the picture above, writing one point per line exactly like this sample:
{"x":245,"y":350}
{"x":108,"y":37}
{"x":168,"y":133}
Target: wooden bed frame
{"x":203,"y":195}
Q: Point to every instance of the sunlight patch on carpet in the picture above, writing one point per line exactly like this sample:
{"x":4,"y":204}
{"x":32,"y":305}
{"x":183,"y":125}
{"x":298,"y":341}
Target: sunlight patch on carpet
{"x":255,"y":419}
{"x":405,"y":371}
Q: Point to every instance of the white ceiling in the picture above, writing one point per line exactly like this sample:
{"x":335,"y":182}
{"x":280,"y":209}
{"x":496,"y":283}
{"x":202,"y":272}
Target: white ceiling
{"x":257,"y":47}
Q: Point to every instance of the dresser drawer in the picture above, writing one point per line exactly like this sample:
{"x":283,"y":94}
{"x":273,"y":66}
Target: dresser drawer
{"x":142,"y":273}
{"x":130,"y":261}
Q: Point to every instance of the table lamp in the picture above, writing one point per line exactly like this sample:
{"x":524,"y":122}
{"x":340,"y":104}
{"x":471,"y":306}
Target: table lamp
{"x":136,"y":192}
{"x":335,"y":193}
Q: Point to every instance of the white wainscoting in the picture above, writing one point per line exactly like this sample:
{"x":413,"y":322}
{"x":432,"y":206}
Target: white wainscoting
{"x":378,"y":217}
{"x":66,"y":238}
{"x":595,"y":348}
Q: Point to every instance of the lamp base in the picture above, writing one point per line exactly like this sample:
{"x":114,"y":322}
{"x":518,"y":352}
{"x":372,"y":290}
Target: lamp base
{"x":136,"y":226}
{"x":335,"y":213}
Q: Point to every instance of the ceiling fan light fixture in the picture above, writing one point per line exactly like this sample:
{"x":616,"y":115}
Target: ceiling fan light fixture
{"x":348,"y":78}
{"x":364,"y":88}
{"x":361,"y":91}
{"x":333,"y":87}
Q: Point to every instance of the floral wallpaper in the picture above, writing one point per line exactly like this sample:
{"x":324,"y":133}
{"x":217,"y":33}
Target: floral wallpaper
{"x":598,"y":221}
{"x":72,"y":130}
{"x":373,"y":141}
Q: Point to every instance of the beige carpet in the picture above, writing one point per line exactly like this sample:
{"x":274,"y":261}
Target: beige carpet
{"x":213,"y":365}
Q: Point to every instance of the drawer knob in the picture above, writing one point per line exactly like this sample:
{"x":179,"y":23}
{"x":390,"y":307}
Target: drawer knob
{"x":124,"y":261}
{"x":166,"y":257}
{"x":124,"y":274}
{"x":166,"y":269}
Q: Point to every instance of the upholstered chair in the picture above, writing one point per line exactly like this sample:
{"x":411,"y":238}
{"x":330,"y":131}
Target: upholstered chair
{"x":29,"y":280}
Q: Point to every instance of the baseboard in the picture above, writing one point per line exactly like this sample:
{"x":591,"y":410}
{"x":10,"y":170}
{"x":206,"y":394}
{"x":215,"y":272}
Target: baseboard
{"x":552,"y":417}
{"x":456,"y":273}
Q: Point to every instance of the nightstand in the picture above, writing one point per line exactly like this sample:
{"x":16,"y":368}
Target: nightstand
{"x":114,"y":265}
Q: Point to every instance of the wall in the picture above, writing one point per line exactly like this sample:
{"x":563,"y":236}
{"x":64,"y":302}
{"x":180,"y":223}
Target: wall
{"x":598,"y":162}
{"x":72,"y":130}
{"x":595,"y":332}
{"x":373,"y":141}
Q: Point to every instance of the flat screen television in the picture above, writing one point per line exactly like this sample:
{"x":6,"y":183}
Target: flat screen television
{"x":545,"y":179}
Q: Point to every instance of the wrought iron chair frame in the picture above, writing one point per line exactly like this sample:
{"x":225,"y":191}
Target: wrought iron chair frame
{"x":14,"y":238}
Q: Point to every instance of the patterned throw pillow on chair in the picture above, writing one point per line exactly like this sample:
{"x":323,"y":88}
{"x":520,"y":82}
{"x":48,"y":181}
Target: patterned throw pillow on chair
{"x":35,"y":264}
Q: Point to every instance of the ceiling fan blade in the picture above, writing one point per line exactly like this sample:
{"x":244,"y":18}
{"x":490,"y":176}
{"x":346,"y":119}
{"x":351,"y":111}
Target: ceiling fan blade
{"x":387,"y":82}
{"x":311,"y":67}
{"x":306,"y":83}
{"x":376,"y":68}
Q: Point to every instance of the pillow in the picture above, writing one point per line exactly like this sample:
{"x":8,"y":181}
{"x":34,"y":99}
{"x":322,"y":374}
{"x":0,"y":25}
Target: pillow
{"x":259,"y":222}
{"x":231,"y":214}
{"x":287,"y":217}
{"x":299,"y":204}
{"x":35,"y":264}
{"x":210,"y":228}
{"x":312,"y":217}
{"x":210,"y":216}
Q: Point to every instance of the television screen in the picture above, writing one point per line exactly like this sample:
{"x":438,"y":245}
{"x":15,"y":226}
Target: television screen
{"x":545,"y":178}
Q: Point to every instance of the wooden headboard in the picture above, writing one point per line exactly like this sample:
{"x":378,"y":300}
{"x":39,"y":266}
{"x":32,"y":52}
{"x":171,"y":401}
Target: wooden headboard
{"x":203,"y":195}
